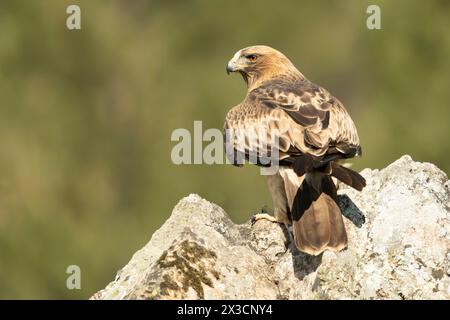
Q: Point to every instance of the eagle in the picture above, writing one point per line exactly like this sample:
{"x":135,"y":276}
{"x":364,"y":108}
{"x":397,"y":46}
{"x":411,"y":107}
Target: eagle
{"x":314,"y":135}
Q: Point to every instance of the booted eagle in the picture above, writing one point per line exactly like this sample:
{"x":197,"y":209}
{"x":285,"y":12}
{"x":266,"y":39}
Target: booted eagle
{"x":314,"y":133}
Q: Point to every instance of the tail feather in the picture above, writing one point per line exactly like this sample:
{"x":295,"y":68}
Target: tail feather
{"x":316,"y":218}
{"x":348,"y":176}
{"x":306,"y":163}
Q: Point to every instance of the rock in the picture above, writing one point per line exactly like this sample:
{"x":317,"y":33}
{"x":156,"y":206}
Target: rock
{"x":399,"y":248}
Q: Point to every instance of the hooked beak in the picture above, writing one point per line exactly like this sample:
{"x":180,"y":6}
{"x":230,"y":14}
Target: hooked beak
{"x":231,"y":67}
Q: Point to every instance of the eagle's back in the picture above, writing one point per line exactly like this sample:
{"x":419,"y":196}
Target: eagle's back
{"x":305,"y":117}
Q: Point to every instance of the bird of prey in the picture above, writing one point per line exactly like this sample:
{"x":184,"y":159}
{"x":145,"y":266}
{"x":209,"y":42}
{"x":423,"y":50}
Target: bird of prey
{"x":315,"y":134}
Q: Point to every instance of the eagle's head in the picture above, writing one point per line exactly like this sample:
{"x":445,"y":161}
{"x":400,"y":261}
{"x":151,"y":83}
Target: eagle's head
{"x":260,"y":63}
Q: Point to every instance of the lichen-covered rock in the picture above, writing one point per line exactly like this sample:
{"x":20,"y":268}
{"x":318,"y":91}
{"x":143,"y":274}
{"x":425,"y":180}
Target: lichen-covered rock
{"x":399,"y":248}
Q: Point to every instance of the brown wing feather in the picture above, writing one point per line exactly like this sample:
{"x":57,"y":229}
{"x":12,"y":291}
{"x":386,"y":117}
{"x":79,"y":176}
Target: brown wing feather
{"x":307,"y":119}
{"x":250,"y":127}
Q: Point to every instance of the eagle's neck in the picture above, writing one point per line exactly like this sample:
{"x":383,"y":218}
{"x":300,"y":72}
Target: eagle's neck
{"x":255,"y":80}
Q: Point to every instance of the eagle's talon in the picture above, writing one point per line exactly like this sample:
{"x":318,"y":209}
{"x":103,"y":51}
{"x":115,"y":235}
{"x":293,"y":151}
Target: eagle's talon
{"x":264,"y":216}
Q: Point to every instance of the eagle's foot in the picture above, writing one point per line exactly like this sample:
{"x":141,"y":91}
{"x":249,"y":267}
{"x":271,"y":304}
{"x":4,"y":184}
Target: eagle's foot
{"x":265,"y":216}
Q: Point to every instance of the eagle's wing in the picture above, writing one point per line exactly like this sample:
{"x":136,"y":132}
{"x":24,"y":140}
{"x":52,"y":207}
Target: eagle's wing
{"x":307,"y":119}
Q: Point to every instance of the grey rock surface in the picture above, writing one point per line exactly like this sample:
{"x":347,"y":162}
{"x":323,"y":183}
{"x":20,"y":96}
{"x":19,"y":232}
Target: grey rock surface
{"x":399,"y":248}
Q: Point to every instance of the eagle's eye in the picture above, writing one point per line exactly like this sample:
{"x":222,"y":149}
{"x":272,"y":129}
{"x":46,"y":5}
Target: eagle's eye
{"x":252,"y":57}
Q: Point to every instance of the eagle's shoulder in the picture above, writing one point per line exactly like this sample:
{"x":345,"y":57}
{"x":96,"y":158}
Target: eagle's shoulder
{"x":304,"y":101}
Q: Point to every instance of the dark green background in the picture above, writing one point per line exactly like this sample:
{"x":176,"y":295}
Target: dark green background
{"x":86,"y":116}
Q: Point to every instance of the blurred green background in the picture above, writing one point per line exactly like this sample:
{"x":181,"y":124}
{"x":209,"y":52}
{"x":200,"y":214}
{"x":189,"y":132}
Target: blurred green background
{"x":86,"y":116}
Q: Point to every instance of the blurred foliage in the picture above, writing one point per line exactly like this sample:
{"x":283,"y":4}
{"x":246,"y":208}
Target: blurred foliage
{"x":86,"y":116}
